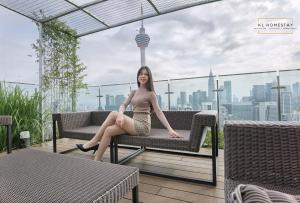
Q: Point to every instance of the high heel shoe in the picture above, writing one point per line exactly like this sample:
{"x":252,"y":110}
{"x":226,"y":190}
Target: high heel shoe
{"x":80,"y":146}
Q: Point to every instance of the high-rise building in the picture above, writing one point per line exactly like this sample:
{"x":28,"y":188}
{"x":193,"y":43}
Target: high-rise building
{"x":227,"y":92}
{"x":190,"y":100}
{"x":258,"y":93}
{"x":196,"y":101}
{"x":296,"y":96}
{"x":286,"y":101}
{"x":179,"y":103}
{"x":268,"y":91}
{"x":211,"y":87}
{"x":222,"y":98}
{"x":206,"y":106}
{"x":243,"y":111}
{"x":119,"y":99}
{"x":183,"y":99}
{"x":110,"y":102}
{"x":198,"y":98}
{"x":266,"y":111}
{"x":274,"y":91}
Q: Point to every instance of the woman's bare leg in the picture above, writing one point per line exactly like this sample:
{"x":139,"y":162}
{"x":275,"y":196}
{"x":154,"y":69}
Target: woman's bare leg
{"x":110,"y":120}
{"x":114,"y":130}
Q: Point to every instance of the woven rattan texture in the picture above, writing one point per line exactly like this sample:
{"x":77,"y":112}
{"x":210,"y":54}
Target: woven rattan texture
{"x":82,"y":133}
{"x":36,"y":176}
{"x":5,"y":120}
{"x":263,"y":153}
{"x":192,"y":122}
{"x":180,"y":120}
{"x":158,"y":138}
{"x":189,"y":124}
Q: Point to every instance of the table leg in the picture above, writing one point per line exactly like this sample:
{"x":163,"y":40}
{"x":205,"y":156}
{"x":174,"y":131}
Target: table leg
{"x":135,"y":194}
{"x":9,"y":139}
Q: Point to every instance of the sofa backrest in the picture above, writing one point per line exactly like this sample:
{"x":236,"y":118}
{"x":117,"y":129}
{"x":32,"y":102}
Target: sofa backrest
{"x":98,"y":117}
{"x":180,"y":120}
{"x":71,"y":120}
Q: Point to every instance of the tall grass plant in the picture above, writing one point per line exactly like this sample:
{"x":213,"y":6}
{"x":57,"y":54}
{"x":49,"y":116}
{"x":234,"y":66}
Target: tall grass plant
{"x":24,"y":109}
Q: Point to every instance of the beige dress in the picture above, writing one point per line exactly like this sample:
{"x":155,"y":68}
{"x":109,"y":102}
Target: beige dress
{"x":142,"y":100}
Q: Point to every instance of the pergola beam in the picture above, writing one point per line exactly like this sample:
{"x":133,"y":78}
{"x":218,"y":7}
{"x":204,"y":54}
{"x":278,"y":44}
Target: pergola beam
{"x":149,"y":16}
{"x":81,"y":8}
{"x":154,"y":7}
{"x":20,"y":13}
{"x":78,"y":8}
{"x":88,"y":13}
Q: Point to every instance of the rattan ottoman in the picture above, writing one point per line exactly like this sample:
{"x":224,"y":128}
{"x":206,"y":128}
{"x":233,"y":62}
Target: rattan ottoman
{"x":35,"y":176}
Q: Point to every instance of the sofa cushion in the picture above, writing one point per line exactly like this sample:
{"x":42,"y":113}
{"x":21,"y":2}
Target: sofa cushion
{"x":158,"y":138}
{"x":252,"y":193}
{"x":84,"y":133}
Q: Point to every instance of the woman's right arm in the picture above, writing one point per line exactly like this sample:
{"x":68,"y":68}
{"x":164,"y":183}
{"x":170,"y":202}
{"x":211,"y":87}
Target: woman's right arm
{"x":120,"y":118}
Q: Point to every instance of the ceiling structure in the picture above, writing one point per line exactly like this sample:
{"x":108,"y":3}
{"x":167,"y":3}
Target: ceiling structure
{"x":91,"y":16}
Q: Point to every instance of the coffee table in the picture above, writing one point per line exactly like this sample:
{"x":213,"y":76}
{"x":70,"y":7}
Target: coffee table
{"x":36,"y":176}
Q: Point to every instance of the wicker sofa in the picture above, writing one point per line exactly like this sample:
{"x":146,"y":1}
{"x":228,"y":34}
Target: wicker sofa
{"x":191,"y":124}
{"x":261,"y":153}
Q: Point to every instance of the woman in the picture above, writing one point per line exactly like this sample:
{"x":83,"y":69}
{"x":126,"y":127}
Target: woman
{"x":143,"y":101}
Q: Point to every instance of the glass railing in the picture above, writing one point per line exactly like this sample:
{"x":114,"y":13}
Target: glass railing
{"x":27,"y":88}
{"x":193,"y":94}
{"x":290,"y":95}
{"x":163,"y":95}
{"x":87,"y":99}
{"x":112,"y":96}
{"x":250,"y":96}
{"x":247,"y":97}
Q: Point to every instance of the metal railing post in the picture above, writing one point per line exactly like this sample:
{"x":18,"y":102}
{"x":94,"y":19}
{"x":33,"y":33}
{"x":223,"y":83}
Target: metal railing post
{"x":278,"y":87}
{"x":99,"y":100}
{"x":218,"y":118}
{"x":169,"y":96}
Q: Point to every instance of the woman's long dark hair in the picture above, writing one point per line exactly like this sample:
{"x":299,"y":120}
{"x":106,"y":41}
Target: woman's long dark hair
{"x":149,"y":84}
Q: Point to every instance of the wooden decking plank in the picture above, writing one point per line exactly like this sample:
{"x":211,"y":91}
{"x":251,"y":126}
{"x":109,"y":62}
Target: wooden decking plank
{"x":190,"y":197}
{"x":179,"y":167}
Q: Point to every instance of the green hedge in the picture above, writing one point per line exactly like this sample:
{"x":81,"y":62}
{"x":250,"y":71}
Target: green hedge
{"x":207,"y":142}
{"x":24,"y":109}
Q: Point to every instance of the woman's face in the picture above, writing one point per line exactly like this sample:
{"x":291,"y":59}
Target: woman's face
{"x":143,"y":77}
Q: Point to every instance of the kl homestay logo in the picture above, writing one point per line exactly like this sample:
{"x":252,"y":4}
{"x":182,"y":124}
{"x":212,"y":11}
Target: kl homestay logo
{"x":275,"y":26}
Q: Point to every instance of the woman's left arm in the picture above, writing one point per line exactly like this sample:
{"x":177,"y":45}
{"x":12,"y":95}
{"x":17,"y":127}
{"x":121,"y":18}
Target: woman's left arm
{"x":161,"y":116}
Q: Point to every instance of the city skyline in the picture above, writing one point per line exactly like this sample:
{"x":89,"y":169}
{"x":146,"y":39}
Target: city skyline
{"x":259,"y":103}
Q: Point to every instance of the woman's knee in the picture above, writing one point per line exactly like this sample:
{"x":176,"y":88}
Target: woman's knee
{"x":113,"y":114}
{"x":108,"y":132}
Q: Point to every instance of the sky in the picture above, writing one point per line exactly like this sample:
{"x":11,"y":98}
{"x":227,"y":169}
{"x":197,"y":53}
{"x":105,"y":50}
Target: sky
{"x":188,"y":43}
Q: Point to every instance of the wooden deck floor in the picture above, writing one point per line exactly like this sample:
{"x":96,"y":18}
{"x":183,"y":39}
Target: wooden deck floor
{"x":162,"y":190}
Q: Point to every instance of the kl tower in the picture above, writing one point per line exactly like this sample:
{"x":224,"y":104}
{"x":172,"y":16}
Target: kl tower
{"x":142,"y":41}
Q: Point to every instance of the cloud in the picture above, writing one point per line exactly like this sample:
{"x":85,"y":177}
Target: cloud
{"x":296,"y":55}
{"x":186,"y":43}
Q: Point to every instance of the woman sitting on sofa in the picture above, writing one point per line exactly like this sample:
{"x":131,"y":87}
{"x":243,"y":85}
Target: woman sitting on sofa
{"x":144,"y":102}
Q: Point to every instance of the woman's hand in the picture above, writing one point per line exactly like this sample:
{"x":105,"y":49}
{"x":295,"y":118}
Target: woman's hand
{"x":120,"y":120}
{"x":174,"y":134}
